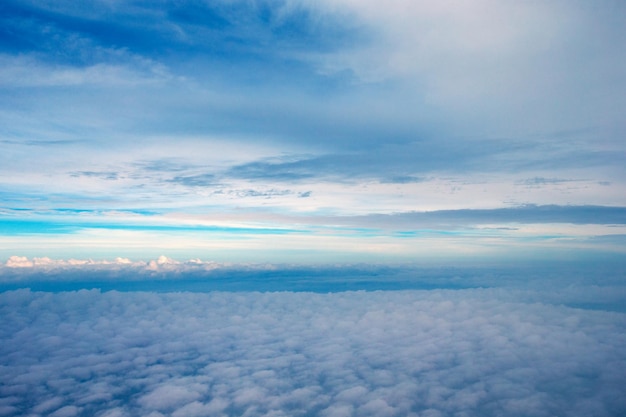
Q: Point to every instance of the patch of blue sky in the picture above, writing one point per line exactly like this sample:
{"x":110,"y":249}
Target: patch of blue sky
{"x":231,"y":35}
{"x":24,"y":211}
{"x":43,"y":202}
{"x":14,"y":227}
{"x":198,"y":228}
{"x":17,"y":227}
{"x":20,"y":198}
{"x":97,"y":212}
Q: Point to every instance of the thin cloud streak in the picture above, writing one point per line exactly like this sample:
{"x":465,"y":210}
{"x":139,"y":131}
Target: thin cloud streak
{"x":523,"y":233}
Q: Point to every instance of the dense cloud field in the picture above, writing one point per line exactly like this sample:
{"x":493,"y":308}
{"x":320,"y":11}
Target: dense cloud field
{"x":472,"y":352}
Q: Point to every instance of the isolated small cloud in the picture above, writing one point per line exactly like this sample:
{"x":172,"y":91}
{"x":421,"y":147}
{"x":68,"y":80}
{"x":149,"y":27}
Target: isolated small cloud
{"x":201,"y":180}
{"x":403,"y":179}
{"x":105,"y":175}
{"x":123,"y":261}
{"x":165,"y":260}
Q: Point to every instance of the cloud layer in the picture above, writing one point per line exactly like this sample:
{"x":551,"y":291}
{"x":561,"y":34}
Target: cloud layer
{"x":404,"y":353}
{"x":253,"y":235}
{"x":582,"y":284}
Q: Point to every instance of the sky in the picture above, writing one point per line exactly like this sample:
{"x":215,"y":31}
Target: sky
{"x":325,"y":208}
{"x":324,"y":131}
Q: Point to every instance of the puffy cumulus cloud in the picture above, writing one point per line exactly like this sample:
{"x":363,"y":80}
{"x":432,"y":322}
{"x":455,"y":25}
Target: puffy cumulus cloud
{"x":19,"y":262}
{"x":24,"y":262}
{"x":162,"y":262}
{"x":21,"y":271}
{"x":405,"y":353}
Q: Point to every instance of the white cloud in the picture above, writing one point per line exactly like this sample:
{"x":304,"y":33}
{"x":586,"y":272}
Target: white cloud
{"x":67,"y":411}
{"x":168,"y":397}
{"x":368,"y":353}
{"x":45,"y":262}
{"x":546,"y":62}
{"x":162,"y":261}
{"x":28,"y":71}
{"x":19,"y":262}
{"x":586,"y":284}
{"x":21,"y":268}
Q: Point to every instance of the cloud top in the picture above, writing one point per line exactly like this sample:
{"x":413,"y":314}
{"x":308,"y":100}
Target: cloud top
{"x":385,"y":353}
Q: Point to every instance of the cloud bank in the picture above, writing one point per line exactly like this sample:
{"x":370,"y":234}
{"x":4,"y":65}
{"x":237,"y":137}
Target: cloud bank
{"x":595,"y":285}
{"x":405,"y":353}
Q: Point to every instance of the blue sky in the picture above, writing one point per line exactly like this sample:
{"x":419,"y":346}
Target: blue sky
{"x":326,"y":131}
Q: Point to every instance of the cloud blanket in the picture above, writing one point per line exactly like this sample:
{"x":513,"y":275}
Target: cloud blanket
{"x":383,"y":353}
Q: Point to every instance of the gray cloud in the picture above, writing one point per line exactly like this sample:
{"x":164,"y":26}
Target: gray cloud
{"x":262,"y":193}
{"x":413,"y":159}
{"x":280,"y":171}
{"x":522,"y":214}
{"x":395,"y":163}
{"x":384,"y":353}
{"x":200,"y":180}
{"x":165,"y":165}
{"x":403,"y":179}
{"x":105,"y":175}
